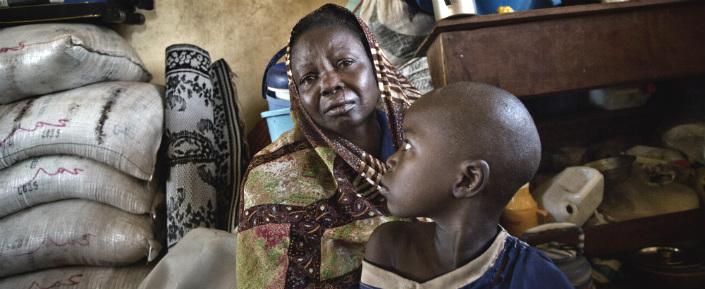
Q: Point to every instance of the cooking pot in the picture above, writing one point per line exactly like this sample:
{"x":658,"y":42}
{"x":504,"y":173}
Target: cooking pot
{"x":670,"y":267}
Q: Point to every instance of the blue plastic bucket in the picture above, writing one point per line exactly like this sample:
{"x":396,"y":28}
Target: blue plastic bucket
{"x":485,"y":7}
{"x":277,"y":104}
{"x":278,"y":121}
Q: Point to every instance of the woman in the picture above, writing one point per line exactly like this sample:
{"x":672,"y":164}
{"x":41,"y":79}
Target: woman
{"x":310,"y":199}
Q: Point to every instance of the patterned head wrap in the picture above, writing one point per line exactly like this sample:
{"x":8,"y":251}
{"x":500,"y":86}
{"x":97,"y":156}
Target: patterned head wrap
{"x":396,"y":94}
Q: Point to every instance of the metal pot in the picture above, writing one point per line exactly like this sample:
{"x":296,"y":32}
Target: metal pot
{"x":670,"y":267}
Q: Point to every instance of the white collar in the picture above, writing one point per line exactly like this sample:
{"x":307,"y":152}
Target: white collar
{"x":464,"y":275}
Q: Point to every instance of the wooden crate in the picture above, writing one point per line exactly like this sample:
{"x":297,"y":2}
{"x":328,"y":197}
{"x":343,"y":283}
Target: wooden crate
{"x":571,"y":48}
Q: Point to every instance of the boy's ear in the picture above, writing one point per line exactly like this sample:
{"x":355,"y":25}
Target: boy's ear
{"x":472,"y":178}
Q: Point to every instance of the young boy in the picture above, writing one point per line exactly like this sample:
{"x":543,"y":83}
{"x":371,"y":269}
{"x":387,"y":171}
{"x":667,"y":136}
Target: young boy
{"x":468,"y":148}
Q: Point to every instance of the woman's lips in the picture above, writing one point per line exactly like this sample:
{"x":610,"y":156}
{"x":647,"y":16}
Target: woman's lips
{"x":340,"y":108}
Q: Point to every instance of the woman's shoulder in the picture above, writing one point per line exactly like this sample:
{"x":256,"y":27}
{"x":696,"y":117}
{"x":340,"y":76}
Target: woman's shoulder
{"x":288,"y":138}
{"x":287,"y":172}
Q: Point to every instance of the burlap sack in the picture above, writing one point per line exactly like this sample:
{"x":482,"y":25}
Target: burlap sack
{"x":417,"y":72}
{"x":44,"y":58}
{"x":398,"y":27}
{"x":116,"y":123}
{"x":79,"y":278}
{"x":53,"y":178}
{"x":73,"y":232}
{"x":204,"y":258}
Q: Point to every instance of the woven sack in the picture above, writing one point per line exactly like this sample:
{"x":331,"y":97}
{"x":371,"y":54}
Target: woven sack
{"x":417,"y":72}
{"x":44,"y":58}
{"x":116,"y":123}
{"x":73,"y":232}
{"x":53,"y":178}
{"x":80,"y":278}
{"x":398,"y":27}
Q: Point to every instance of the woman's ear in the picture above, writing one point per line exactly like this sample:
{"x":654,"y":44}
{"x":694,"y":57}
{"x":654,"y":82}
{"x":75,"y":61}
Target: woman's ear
{"x":472,"y":178}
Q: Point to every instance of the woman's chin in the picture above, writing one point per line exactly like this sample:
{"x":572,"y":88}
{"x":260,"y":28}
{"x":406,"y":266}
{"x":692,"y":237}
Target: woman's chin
{"x":351,"y":120}
{"x":342,"y":125}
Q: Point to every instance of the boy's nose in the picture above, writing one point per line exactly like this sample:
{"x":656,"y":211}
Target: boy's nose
{"x":330,"y":83}
{"x":392,"y":161}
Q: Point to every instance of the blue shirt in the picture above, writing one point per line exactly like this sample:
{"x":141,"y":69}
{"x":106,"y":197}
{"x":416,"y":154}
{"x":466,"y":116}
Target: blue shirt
{"x":507,"y":264}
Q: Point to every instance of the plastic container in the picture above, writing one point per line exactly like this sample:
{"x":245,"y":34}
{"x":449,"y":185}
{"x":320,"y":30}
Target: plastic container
{"x":573,"y":195}
{"x":280,"y":93}
{"x":619,"y":97}
{"x":490,"y":6}
{"x":521,"y":213}
{"x":275,"y":83}
{"x":274,"y":103}
{"x":485,"y":7}
{"x":276,"y":76}
{"x":444,"y":9}
{"x":278,"y":122}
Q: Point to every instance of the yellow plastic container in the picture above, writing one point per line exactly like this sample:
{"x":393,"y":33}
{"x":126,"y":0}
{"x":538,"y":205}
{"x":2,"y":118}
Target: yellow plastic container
{"x":521,"y":213}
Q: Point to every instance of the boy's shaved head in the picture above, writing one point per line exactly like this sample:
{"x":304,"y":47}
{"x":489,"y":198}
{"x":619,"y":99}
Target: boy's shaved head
{"x":482,"y":122}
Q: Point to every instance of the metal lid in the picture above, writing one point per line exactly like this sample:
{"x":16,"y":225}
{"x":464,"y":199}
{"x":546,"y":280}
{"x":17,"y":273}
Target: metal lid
{"x":670,"y":258}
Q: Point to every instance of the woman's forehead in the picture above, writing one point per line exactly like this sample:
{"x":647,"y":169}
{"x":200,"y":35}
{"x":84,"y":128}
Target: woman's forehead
{"x":332,"y":38}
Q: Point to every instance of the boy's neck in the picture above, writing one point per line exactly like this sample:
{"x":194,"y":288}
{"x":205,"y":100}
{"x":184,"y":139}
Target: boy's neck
{"x":463,"y":239}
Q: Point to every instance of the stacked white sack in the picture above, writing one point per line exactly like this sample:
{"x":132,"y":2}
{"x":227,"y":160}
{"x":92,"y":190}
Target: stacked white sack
{"x":116,"y":123}
{"x":43,"y":58}
{"x":80,"y":278}
{"x":53,"y":178}
{"x":73,"y":233}
{"x":79,"y":134}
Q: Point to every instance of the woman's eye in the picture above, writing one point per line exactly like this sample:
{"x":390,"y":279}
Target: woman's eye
{"x":307,"y":79}
{"x":345,"y":62}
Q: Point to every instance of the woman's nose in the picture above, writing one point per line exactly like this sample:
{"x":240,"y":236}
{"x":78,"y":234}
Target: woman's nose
{"x":330,"y":83}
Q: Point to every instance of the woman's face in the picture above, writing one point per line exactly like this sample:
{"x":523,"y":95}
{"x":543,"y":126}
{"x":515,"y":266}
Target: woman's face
{"x":334,"y":77}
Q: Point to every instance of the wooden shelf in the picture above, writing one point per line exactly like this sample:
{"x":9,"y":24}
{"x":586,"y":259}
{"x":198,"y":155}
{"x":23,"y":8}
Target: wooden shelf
{"x":571,"y":48}
{"x":20,"y":15}
{"x":572,"y":129}
{"x":629,"y":236}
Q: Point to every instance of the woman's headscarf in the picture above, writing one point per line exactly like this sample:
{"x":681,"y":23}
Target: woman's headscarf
{"x":396,"y":94}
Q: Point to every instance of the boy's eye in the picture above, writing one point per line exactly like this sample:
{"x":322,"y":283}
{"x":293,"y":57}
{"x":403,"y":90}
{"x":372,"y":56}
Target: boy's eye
{"x":406,"y":146}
